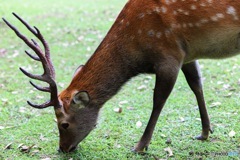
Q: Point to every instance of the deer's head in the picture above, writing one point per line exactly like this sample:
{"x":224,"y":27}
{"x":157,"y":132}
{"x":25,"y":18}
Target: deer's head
{"x":76,"y":115}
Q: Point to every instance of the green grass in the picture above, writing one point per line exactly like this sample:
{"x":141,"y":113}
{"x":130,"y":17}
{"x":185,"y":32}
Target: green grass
{"x":74,"y":29}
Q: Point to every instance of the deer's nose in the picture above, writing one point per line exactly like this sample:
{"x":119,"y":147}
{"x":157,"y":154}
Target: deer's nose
{"x":66,"y":150}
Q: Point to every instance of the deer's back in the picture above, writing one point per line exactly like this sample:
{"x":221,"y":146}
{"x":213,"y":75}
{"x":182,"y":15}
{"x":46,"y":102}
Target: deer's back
{"x":202,"y":29}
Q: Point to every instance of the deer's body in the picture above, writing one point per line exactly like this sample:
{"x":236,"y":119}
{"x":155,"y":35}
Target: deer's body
{"x":149,"y":36}
{"x":148,"y":31}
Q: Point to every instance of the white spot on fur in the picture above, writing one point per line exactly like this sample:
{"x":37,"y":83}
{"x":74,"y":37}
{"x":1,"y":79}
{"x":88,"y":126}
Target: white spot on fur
{"x":151,"y":33}
{"x":186,"y":13}
{"x":173,"y":25}
{"x":214,"y":18}
{"x":167,"y":33}
{"x":198,"y":24}
{"x":203,"y":21}
{"x":170,"y":1}
{"x":141,"y":15}
{"x":158,"y":35}
{"x":167,"y":2}
{"x":232,"y":11}
{"x":203,"y":4}
{"x":149,"y":12}
{"x":139,"y":31}
{"x":220,"y":15}
{"x":190,"y":24}
{"x":121,"y":22}
{"x":157,"y":9}
{"x":174,"y":12}
{"x":209,"y":1}
{"x":179,"y":10}
{"x":132,"y":38}
{"x":184,"y":25}
{"x":193,"y":7}
{"x":164,"y":9}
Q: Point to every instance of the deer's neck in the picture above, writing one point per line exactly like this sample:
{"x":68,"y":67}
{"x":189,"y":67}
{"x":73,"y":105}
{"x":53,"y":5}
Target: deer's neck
{"x":117,"y":59}
{"x":105,"y":72}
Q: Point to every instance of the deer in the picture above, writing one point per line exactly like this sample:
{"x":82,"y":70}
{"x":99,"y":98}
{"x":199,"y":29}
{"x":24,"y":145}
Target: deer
{"x":148,"y":37}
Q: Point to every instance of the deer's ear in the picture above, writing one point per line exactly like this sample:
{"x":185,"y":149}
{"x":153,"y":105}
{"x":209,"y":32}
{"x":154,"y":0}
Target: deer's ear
{"x":81,"y":98}
{"x":78,"y":70}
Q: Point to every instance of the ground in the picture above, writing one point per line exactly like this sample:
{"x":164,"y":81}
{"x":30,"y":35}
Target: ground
{"x":74,"y":29}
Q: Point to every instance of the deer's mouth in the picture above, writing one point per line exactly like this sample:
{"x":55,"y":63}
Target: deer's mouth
{"x":64,"y":150}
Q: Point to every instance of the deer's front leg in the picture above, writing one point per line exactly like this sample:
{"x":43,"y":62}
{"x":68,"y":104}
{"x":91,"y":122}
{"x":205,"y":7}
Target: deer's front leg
{"x":193,"y":76}
{"x":166,"y":75}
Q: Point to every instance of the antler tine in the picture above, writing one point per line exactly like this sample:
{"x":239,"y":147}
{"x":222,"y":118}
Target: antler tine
{"x":32,"y":56}
{"x":44,"y":89}
{"x":37,"y":34}
{"x":45,"y":45}
{"x":45,"y":57}
{"x":25,"y":24}
{"x":36,"y":49}
{"x":38,"y":77}
{"x":44,"y":105}
{"x":49,"y":73}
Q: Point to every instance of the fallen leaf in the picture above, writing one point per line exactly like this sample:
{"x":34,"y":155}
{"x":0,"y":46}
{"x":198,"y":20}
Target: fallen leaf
{"x":61,"y":85}
{"x":226,"y":86}
{"x":46,"y":158}
{"x":130,"y":108}
{"x":139,"y":124}
{"x":163,"y":135}
{"x":228,"y":95}
{"x":169,"y":150}
{"x":118,"y":110}
{"x":232,"y":134}
{"x":40,"y":97}
{"x":22,"y":109}
{"x":26,"y":149}
{"x":8,"y":146}
{"x":20,"y":145}
{"x":117,"y":146}
{"x":4,"y":100}
{"x":198,"y":119}
{"x":168,"y":141}
{"x":2,"y":52}
{"x":15,"y":92}
{"x":34,"y":152}
{"x":42,"y":138}
{"x":2,"y":127}
{"x":123,"y":102}
{"x":142,"y":87}
{"x":220,"y":82}
{"x":182,"y":119}
{"x":80,"y":38}
{"x":215,"y":104}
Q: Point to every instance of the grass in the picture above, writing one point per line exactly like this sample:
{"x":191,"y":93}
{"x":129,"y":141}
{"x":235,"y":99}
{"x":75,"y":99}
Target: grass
{"x":74,"y":29}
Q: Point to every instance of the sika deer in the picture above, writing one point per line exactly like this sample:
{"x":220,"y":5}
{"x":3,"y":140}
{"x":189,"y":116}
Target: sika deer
{"x":149,"y":36}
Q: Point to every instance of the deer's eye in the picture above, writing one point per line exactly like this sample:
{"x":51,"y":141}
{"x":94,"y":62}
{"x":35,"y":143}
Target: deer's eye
{"x":65,"y":125}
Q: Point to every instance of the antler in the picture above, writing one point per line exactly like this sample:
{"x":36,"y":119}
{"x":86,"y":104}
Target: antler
{"x":49,"y":73}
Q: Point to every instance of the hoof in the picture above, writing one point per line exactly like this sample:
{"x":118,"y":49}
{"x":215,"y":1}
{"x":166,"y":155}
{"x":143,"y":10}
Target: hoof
{"x":204,"y":135}
{"x":140,"y":150}
{"x":200,"y":137}
{"x":211,"y":130}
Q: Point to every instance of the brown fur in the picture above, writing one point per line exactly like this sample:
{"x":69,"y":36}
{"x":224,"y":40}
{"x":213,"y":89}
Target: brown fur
{"x":160,"y":37}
